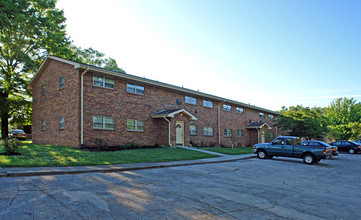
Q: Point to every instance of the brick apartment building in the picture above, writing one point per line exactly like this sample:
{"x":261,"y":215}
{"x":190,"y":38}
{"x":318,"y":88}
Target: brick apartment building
{"x":76,"y":103}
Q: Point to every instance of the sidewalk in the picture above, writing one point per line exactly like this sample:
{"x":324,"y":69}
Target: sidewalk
{"x":37,"y":171}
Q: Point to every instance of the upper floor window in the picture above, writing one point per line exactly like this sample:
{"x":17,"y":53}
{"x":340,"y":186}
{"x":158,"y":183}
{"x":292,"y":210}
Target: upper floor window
{"x":135,"y":125}
{"x":43,"y":89}
{"x":61,"y":82}
{"x":133,"y":88}
{"x":227,"y":107}
{"x":103,"y":81}
{"x":240,"y":133}
{"x":190,"y":100}
{"x":261,"y":115}
{"x":270,"y":116}
{"x":227,"y":133}
{"x":61,"y":123}
{"x":208,"y":104}
{"x":208,"y":131}
{"x":192,"y":129}
{"x":100,"y":122}
{"x":239,"y":110}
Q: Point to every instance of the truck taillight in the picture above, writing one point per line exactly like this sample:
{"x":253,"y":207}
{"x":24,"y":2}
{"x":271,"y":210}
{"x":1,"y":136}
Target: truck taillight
{"x":324,"y":151}
{"x":359,"y":146}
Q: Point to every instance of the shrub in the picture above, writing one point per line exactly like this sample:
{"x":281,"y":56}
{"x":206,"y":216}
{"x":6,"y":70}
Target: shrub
{"x":194,"y":144}
{"x":11,"y":146}
{"x":101,"y":144}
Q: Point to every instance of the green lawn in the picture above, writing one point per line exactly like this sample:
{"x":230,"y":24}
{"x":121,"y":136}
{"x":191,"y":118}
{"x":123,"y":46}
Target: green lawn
{"x":34,"y":155}
{"x":231,"y":151}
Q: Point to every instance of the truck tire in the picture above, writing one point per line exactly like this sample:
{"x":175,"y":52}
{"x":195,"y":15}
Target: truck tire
{"x":309,"y":159}
{"x":261,"y":154}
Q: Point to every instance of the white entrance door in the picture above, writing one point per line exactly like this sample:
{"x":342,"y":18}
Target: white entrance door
{"x":263,"y":137}
{"x":180,"y":133}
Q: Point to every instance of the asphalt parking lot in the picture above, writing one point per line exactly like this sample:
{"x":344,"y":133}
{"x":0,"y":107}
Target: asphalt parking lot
{"x":280,"y":188}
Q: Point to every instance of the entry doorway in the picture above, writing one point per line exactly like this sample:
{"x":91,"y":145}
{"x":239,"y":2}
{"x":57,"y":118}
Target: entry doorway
{"x":263,"y":137}
{"x":180,"y":133}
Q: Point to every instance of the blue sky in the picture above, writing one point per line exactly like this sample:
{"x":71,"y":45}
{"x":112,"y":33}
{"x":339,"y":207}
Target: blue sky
{"x":266,"y":53}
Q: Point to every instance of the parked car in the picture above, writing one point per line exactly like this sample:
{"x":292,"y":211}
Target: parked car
{"x":18,"y":134}
{"x":286,"y":146}
{"x":351,"y":147}
{"x":313,"y":143}
{"x":358,"y":142}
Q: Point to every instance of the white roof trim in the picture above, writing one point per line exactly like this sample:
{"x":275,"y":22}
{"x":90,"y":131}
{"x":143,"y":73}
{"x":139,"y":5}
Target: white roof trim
{"x":171,"y":115}
{"x":264,"y":124}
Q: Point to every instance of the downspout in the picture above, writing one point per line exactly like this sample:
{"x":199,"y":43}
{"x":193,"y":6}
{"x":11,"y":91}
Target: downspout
{"x":219,"y":128}
{"x":168,"y":131}
{"x":82,"y":108}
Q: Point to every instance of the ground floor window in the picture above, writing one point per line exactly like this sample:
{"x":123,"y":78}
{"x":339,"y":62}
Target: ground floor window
{"x":42,"y":125}
{"x":192,"y":129}
{"x":61,"y":123}
{"x":135,"y":125}
{"x":240,"y":133}
{"x":208,"y":131}
{"x":100,"y":122}
{"x":227,"y":133}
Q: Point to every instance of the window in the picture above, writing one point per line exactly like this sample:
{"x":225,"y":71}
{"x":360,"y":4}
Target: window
{"x":227,"y":133}
{"x":208,"y":131}
{"x":192,"y":129}
{"x":61,"y":123}
{"x":240,"y":133}
{"x":190,"y":100}
{"x":261,"y":115}
{"x":133,"y":88}
{"x":227,"y":107}
{"x":61,"y":83}
{"x":43,"y":125}
{"x":239,"y":110}
{"x":135,"y":125}
{"x":43,"y":89}
{"x":208,"y":104}
{"x":103,"y":81}
{"x":100,"y":122}
{"x":270,"y":116}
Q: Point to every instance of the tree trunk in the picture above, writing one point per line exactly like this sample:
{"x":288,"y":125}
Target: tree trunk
{"x":4,"y":111}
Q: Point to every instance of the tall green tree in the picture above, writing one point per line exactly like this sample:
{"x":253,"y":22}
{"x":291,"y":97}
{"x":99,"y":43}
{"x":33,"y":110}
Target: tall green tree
{"x":302,"y":121}
{"x":29,"y":31}
{"x":344,"y":119}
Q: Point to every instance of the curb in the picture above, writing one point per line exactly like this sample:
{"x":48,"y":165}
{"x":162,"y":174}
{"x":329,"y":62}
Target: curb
{"x":80,"y":170}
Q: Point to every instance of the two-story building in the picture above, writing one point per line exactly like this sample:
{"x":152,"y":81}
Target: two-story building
{"x":76,"y":103}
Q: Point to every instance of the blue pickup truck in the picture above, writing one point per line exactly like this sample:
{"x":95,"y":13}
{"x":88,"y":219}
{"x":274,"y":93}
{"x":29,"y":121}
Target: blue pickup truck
{"x":286,"y":146}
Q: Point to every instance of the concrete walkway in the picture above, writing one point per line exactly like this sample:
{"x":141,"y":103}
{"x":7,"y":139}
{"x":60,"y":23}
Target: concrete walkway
{"x":37,"y":171}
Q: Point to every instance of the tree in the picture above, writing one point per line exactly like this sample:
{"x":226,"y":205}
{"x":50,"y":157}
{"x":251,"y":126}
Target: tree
{"x":29,"y":31}
{"x":344,"y":119}
{"x":302,"y":122}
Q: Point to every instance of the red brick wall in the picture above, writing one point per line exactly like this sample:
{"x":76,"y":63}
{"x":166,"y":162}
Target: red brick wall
{"x":56,"y":103}
{"x":122,"y":105}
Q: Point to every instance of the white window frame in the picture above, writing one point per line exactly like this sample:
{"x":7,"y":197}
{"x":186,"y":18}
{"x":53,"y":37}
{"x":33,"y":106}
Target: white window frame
{"x":239,"y":110}
{"x":262,"y":115}
{"x":227,"y":107}
{"x":270,"y":116}
{"x":103,"y":82}
{"x":207,"y":103}
{"x":193,"y":129}
{"x":61,"y":82}
{"x":240,"y":133}
{"x":61,"y":123}
{"x":135,"y":88}
{"x":190,"y":100}
{"x":227,"y":132}
{"x":138,"y":125}
{"x":106,"y":123}
{"x":208,"y":131}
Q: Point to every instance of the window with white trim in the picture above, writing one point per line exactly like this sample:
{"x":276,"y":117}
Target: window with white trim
{"x":227,"y":132}
{"x":100,"y":122}
{"x":240,"y":133}
{"x":43,"y":89}
{"x":134,"y":88}
{"x":270,"y":116}
{"x":190,"y":100}
{"x":135,"y":125}
{"x":103,"y":81}
{"x":61,"y":123}
{"x":239,"y":110}
{"x":43,"y":125}
{"x":61,"y":82}
{"x":227,"y":107}
{"x":261,"y":115}
{"x":207,"y":103}
{"x":208,"y":131}
{"x":192,"y":129}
